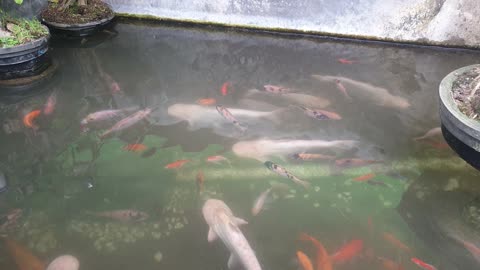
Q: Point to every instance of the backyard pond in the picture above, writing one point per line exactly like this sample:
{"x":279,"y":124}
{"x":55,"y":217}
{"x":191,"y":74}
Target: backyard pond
{"x":115,"y":159}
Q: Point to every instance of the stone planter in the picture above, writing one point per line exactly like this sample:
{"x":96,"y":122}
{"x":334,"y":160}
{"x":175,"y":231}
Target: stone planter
{"x":26,"y":60}
{"x":461,"y":132}
{"x":77,"y":30}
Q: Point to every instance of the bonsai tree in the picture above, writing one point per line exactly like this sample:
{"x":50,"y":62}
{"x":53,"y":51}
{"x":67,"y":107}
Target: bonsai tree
{"x":64,"y":4}
{"x":76,"y":11}
{"x":17,"y":31}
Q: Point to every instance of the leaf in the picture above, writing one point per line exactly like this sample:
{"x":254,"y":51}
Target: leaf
{"x":18,"y":1}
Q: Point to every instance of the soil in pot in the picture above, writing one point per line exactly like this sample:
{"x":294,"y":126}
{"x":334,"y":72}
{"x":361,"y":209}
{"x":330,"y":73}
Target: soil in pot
{"x":466,"y":92}
{"x":70,"y":12}
{"x":15,"y":32}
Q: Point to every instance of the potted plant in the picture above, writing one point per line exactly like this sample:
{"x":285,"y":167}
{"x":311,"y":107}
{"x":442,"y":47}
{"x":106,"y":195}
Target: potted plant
{"x":76,"y":18}
{"x":460,"y":111}
{"x":23,"y":47}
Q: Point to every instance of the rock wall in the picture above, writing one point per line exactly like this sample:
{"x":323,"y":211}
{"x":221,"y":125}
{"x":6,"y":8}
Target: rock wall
{"x":442,"y":22}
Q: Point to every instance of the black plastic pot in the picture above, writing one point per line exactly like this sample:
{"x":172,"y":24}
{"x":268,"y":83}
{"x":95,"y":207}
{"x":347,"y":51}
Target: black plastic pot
{"x":461,"y":132}
{"x":77,"y":30}
{"x":13,"y":90}
{"x":25,"y":60}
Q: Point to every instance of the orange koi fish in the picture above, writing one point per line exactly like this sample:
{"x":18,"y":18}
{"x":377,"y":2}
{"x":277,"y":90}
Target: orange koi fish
{"x":310,"y":157}
{"x":206,"y":101}
{"x":225,"y":88}
{"x":390,"y":238}
{"x":304,"y":261}
{"x":432,"y":133}
{"x":423,"y":264}
{"x":348,"y":251}
{"x":355,"y":162}
{"x":323,"y":259}
{"x":23,"y":258}
{"x":177,"y":164}
{"x":28,"y":119}
{"x":364,"y":177}
{"x":200,"y":180}
{"x":217,"y":159}
{"x":135,"y":147}
{"x":345,"y":61}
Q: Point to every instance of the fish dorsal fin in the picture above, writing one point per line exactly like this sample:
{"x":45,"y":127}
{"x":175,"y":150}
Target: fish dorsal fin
{"x":239,"y":221}
{"x":212,"y":236}
{"x":233,"y":261}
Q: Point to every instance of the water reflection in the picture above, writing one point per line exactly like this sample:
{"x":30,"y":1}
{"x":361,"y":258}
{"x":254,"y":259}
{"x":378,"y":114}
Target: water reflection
{"x":119,"y":157}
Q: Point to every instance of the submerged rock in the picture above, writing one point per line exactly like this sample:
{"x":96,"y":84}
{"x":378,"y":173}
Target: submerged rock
{"x":64,"y":262}
{"x":448,"y":221}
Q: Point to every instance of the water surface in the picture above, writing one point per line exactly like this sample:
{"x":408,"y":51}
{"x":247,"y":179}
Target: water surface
{"x":61,"y":173}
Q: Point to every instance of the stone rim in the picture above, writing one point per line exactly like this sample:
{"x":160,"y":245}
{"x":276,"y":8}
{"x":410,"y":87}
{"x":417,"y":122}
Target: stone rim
{"x":464,"y":128}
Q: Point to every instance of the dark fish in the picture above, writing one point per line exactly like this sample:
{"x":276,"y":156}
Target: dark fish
{"x":376,"y":183}
{"x":149,"y":152}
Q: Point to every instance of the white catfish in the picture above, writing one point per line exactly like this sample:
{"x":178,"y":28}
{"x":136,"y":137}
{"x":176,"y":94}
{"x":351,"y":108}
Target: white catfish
{"x":201,"y":116}
{"x":361,"y":90}
{"x":263,"y":149}
{"x":224,"y":225}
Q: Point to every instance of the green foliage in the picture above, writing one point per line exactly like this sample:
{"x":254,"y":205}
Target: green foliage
{"x":22,"y":30}
{"x":18,"y":1}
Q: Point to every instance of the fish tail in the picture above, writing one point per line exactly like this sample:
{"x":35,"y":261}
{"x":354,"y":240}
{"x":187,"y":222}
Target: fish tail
{"x":275,"y":116}
{"x":305,"y":184}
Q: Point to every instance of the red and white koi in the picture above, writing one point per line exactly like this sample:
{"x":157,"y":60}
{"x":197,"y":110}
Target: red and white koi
{"x":100,"y":116}
{"x":342,"y":89}
{"x":127,"y":122}
{"x":50,"y":104}
{"x":320,"y":114}
{"x":276,"y":89}
{"x":225,"y":113}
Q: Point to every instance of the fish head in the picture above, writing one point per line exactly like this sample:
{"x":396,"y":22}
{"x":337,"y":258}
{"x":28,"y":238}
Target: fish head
{"x":212,"y":208}
{"x":269,"y":165}
{"x":89,"y":118}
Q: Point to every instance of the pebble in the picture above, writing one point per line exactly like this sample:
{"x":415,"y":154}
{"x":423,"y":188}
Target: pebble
{"x":451,"y":185}
{"x":158,"y":256}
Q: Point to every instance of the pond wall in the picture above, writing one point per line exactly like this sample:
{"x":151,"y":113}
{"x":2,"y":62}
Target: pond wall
{"x":440,"y":22}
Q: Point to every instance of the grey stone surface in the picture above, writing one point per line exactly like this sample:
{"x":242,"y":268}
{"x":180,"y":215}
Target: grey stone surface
{"x":443,"y":22}
{"x":446,"y":22}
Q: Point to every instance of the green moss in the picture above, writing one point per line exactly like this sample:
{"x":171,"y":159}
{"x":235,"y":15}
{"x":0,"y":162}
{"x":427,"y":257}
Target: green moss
{"x":22,"y":31}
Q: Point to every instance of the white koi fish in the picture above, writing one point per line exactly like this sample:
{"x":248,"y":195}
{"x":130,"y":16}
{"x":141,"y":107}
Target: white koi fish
{"x":263,"y":149}
{"x":361,"y":90}
{"x":224,"y":225}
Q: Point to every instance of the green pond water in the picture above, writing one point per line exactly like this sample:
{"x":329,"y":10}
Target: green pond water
{"x":62,"y":174}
